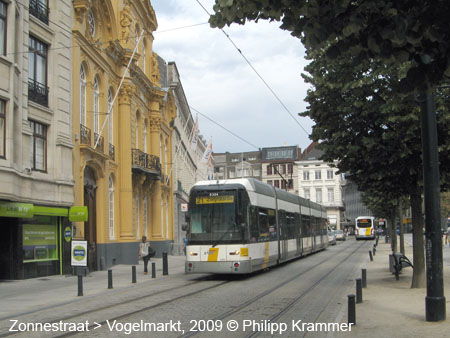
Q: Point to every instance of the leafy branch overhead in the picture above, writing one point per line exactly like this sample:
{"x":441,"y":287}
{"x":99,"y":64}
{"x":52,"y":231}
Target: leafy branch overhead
{"x":391,"y":31}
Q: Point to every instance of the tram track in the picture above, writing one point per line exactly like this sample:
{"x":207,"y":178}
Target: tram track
{"x":102,"y":312}
{"x":131,"y":301}
{"x":266,"y":293}
{"x":290,"y":304}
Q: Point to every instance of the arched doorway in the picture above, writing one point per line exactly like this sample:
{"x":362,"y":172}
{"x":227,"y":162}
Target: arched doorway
{"x":90,"y":227}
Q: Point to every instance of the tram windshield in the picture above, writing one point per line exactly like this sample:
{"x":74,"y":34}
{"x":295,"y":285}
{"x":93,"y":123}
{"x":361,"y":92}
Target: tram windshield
{"x":364,"y":223}
{"x":214,"y":218}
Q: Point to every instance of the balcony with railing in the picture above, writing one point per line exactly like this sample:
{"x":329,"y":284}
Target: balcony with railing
{"x":39,"y":9}
{"x":145,"y":164}
{"x":99,"y":143}
{"x":85,"y":135}
{"x":37,"y":92}
{"x":112,"y":151}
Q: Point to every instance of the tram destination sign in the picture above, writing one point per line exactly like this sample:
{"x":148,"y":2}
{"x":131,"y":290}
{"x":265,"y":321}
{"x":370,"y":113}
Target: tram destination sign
{"x":289,"y":153}
{"x":214,"y":199}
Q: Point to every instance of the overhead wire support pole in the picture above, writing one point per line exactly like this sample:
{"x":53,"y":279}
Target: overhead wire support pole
{"x":118,"y":88}
{"x":435,"y":298}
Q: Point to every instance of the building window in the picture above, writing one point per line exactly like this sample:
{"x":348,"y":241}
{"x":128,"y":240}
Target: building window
{"x":319,"y":195}
{"x":291,"y":184}
{"x":37,"y":72}
{"x":318,"y":175}
{"x":269,"y":169}
{"x":3,"y":16}
{"x":330,"y":174}
{"x":111,"y":208}
{"x":144,"y":46}
{"x":39,"y":9}
{"x":82,"y":96}
{"x":330,"y":194}
{"x":276,"y":183}
{"x":110,"y":117}
{"x":270,"y":182}
{"x":145,"y":136}
{"x":283,"y":184}
{"x":2,"y":129}
{"x":305,"y":175}
{"x":232,"y":174}
{"x":256,"y":172}
{"x":96,"y":106}
{"x":91,"y":20}
{"x":38,"y":146}
{"x":283,"y":169}
{"x":307,"y":194}
{"x":289,"y":166}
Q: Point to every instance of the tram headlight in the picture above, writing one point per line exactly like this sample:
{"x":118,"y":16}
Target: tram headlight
{"x":193,"y":253}
{"x":237,"y":253}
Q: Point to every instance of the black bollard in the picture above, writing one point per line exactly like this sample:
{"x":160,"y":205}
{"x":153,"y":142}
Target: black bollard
{"x":80,"y":285}
{"x":110,"y":284}
{"x":153,"y":270}
{"x":351,"y":310}
{"x":363,"y":278}
{"x":370,"y":255}
{"x":133,"y":274}
{"x":386,"y":239}
{"x":165,"y":266}
{"x":376,"y":242}
{"x":358,"y":291}
{"x":374,"y":249}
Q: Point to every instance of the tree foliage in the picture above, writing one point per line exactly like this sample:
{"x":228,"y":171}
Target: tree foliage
{"x":392,"y":31}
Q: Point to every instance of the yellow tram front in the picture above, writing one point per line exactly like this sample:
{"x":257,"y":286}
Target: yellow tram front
{"x":218,"y":237}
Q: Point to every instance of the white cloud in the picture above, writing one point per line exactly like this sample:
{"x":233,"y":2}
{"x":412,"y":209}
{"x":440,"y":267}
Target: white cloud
{"x":221,"y":85}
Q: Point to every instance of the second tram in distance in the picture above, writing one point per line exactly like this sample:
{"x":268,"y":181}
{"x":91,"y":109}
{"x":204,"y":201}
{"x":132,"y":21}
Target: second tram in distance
{"x":244,"y":225}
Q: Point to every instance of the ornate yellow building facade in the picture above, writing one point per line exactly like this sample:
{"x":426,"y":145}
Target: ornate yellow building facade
{"x":122,"y":127}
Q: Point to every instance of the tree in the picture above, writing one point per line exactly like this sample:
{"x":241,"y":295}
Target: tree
{"x":390,"y":30}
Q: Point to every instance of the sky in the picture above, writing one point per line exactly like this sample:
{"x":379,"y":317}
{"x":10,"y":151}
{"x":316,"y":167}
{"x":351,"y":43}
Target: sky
{"x":222,"y":87}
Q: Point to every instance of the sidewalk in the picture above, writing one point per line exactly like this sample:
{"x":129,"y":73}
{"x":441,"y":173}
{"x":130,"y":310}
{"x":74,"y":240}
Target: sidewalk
{"x":20,"y":297}
{"x":391,"y":308}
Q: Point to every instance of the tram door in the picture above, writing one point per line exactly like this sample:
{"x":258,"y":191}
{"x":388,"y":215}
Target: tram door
{"x":283,"y":237}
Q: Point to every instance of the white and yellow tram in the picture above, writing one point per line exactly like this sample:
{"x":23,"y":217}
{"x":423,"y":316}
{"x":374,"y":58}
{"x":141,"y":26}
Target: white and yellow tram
{"x":244,"y":225}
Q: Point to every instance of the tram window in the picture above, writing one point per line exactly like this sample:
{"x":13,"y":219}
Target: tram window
{"x":306,"y":226}
{"x":297,"y":225}
{"x":263,"y":220}
{"x":272,"y":224}
{"x":290,"y":225}
{"x":254,"y":228}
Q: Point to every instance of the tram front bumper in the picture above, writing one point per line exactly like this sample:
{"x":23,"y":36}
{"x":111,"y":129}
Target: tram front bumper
{"x":236,"y":267}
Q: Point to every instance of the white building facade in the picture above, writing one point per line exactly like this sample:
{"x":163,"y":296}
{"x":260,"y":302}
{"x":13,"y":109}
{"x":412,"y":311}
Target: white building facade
{"x":319,"y":182}
{"x":187,"y":166}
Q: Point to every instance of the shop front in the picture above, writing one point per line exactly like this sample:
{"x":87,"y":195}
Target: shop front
{"x":35,"y":240}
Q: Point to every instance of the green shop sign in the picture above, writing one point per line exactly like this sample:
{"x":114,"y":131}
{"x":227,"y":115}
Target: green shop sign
{"x":78,"y":214}
{"x":11,"y":209}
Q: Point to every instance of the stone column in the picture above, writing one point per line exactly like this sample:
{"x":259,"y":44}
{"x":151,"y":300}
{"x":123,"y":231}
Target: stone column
{"x":125,"y":173}
{"x":155,"y":132}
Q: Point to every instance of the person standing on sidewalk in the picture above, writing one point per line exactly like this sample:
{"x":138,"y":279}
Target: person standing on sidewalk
{"x":144,"y":253}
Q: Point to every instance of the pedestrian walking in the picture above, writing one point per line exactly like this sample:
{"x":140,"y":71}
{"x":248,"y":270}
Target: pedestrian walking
{"x":145,"y":252}
{"x":185,"y":242}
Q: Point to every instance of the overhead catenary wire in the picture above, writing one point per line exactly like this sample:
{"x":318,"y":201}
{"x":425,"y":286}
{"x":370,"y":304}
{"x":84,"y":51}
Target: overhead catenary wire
{"x":99,"y":44}
{"x":257,"y":73}
{"x":229,"y":131}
